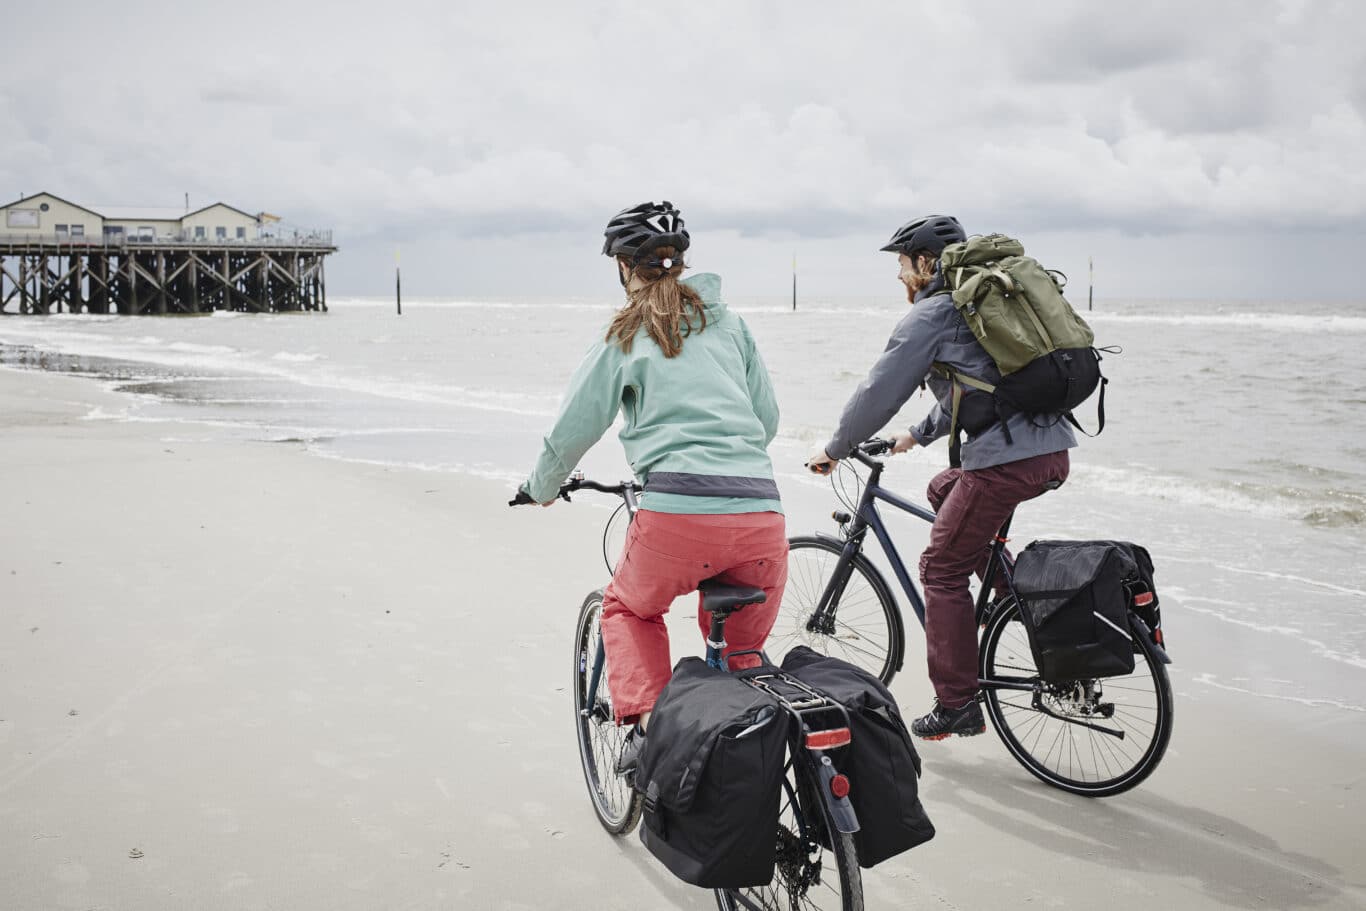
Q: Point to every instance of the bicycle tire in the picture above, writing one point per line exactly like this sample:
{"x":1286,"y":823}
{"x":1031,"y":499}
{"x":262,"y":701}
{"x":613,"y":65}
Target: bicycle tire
{"x":789,"y":889}
{"x":868,"y":626}
{"x":1058,"y":751}
{"x":615,"y":802}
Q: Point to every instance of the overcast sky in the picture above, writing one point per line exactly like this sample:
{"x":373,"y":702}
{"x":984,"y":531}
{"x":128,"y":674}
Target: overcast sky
{"x":1196,"y":149}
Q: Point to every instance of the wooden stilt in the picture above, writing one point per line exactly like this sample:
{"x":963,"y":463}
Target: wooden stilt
{"x":194,"y":284}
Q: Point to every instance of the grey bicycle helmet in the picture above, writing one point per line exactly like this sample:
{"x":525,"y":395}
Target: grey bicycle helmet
{"x":931,"y":234}
{"x":636,"y":232}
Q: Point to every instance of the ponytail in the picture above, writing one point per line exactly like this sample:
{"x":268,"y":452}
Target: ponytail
{"x":669,"y":310}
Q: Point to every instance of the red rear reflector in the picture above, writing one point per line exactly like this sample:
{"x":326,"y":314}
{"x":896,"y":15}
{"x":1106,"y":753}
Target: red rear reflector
{"x":839,"y":786}
{"x":828,"y":740}
{"x":1158,"y":634}
{"x":1143,"y":599}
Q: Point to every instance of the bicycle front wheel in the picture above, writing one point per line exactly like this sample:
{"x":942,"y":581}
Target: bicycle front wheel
{"x":863,"y":625}
{"x":1089,"y":737}
{"x":814,"y":871}
{"x":615,"y":802}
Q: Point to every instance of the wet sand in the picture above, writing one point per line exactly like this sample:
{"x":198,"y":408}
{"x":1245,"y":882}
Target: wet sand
{"x":235,"y":676}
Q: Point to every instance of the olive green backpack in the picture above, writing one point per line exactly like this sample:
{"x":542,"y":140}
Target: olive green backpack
{"x":1016,"y":310}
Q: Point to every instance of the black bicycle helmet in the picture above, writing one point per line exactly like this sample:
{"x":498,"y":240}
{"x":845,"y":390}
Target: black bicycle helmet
{"x":636,"y":232}
{"x":931,"y":234}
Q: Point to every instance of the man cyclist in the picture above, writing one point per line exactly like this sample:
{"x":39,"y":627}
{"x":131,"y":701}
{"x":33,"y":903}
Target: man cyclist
{"x":1002,"y":463}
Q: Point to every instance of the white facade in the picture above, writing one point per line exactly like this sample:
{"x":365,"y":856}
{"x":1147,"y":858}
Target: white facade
{"x":220,"y":222}
{"x":47,"y":218}
{"x":48,"y":215}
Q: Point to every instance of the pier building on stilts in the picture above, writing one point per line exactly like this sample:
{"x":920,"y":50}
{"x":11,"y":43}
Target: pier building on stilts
{"x":60,"y":257}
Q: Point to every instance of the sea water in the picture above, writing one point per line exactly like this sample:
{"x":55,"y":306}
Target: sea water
{"x":1234,"y":445}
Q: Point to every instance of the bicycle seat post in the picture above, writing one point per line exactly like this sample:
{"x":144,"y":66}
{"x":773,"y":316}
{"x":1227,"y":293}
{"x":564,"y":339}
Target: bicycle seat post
{"x":721,"y":601}
{"x":716,"y":638}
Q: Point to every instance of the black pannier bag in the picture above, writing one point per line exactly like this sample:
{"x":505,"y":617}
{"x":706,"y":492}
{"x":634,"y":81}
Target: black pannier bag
{"x":880,"y":761}
{"x":711,"y":772}
{"x":1075,"y":598}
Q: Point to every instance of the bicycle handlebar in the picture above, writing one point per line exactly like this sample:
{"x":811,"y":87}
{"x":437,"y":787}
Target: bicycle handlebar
{"x":576,"y":484}
{"x":863,"y":452}
{"x":875,"y":447}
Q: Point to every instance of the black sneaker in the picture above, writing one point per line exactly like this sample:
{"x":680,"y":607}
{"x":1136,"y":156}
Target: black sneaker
{"x":943,"y":721}
{"x":630,"y":753}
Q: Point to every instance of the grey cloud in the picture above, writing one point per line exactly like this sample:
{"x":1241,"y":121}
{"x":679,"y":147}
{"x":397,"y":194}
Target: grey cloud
{"x":818,"y":123}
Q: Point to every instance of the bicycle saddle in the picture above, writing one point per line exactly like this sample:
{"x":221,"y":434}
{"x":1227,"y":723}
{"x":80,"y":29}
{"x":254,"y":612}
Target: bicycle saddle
{"x":717,"y":596}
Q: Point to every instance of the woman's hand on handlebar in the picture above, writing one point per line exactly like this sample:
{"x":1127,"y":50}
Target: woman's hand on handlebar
{"x":524,"y":499}
{"x":902,"y":442}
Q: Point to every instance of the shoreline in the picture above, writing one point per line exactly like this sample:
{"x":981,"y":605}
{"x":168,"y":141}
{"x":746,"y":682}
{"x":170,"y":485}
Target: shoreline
{"x":307,"y":683}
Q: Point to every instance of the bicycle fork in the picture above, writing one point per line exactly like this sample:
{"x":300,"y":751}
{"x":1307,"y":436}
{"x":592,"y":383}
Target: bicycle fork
{"x":591,"y":701}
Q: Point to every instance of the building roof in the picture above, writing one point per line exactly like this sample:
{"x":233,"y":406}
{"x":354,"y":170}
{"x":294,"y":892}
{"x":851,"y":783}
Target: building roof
{"x":53,"y":196}
{"x":224,"y":205}
{"x":132,"y":213}
{"x":142,"y":213}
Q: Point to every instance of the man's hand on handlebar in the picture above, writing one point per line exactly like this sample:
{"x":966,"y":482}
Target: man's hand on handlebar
{"x":820,"y":462}
{"x":902,"y":442}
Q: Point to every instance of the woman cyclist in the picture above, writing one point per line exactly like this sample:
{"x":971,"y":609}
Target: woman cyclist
{"x":698,"y":413}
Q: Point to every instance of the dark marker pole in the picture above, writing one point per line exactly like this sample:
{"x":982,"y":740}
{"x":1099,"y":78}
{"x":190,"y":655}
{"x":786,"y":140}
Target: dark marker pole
{"x":398,"y":285}
{"x":1090,"y":280}
{"x":794,"y":283}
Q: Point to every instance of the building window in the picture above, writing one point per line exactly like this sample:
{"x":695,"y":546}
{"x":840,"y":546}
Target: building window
{"x":198,"y":232}
{"x":220,"y":232}
{"x":21,"y":218}
{"x":44,"y":206}
{"x":60,"y":229}
{"x":78,"y":230}
{"x":241,"y":233}
{"x":146,"y":232}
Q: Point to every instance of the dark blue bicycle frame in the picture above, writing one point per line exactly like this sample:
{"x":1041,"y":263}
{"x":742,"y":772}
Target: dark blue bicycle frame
{"x":867,"y":516}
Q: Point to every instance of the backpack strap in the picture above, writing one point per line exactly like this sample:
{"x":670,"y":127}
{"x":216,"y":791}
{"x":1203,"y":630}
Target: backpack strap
{"x":1100,"y":412}
{"x":1100,"y":405}
{"x":957,"y":382}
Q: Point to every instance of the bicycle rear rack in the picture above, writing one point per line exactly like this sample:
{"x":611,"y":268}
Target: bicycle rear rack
{"x":805,"y":704}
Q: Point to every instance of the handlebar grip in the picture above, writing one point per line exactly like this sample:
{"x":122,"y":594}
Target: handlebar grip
{"x":522,"y":499}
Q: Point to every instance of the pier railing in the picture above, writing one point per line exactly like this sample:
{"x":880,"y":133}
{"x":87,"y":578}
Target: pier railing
{"x":316,"y":238}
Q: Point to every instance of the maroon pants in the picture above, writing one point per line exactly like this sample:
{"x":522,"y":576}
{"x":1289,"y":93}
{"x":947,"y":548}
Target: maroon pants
{"x":970,"y":507}
{"x":667,"y":555}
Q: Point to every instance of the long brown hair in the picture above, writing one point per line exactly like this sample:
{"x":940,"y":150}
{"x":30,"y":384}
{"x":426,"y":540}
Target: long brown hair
{"x":669,"y":310}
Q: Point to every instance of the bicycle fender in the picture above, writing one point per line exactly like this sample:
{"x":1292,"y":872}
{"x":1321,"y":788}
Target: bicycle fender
{"x":841,"y":810}
{"x":1141,"y":628}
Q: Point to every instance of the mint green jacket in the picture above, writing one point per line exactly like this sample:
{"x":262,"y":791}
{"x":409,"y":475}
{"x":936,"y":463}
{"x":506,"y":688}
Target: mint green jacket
{"x":696,"y":426}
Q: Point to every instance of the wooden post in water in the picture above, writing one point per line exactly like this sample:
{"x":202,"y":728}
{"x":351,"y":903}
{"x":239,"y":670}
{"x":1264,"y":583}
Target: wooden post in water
{"x":398,"y":285}
{"x":794,"y":282}
{"x":1090,"y":280}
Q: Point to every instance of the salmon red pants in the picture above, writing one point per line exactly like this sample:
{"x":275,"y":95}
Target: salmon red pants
{"x":668,"y":555}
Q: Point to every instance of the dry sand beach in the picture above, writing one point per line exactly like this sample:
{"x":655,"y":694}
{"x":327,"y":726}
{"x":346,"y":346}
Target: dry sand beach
{"x":234,"y":676}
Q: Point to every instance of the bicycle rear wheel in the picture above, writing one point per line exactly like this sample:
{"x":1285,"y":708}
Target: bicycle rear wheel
{"x":865,"y":627}
{"x":615,"y":802}
{"x":813,"y":871}
{"x":1095,"y":738}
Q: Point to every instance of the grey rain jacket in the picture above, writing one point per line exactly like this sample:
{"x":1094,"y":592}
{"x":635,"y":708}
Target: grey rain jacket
{"x":934,"y":330}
